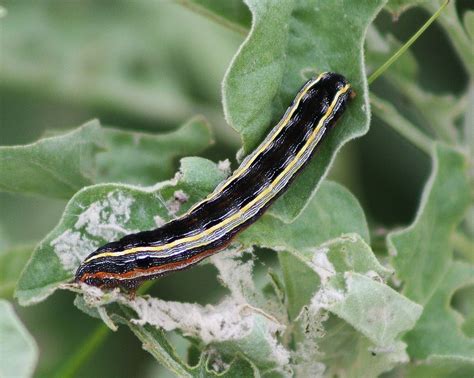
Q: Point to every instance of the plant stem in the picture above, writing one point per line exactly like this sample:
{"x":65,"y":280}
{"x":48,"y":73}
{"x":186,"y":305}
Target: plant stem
{"x":73,"y":364}
{"x":389,"y":114}
{"x":379,"y":71}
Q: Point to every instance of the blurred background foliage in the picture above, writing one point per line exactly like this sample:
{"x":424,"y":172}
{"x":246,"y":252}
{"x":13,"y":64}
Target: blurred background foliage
{"x":149,"y":65}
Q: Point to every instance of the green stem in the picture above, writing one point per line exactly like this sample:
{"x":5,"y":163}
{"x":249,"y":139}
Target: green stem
{"x":379,"y":71}
{"x":389,"y":114}
{"x":73,"y":364}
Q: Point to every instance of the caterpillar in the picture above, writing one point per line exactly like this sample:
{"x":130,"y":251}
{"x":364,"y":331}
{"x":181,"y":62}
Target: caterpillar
{"x":210,"y":225}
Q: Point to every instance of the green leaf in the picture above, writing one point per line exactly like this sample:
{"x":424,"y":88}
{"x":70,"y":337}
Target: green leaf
{"x":422,"y":252}
{"x":232,"y":328}
{"x":300,"y":283}
{"x":346,"y":265}
{"x":156,"y":343}
{"x":61,"y":165}
{"x":422,"y":256}
{"x":144,"y":159}
{"x":426,"y":340}
{"x":288,"y":40}
{"x":18,"y":350}
{"x":332,"y":212}
{"x":346,"y":352}
{"x":101,"y":213}
{"x":53,"y":167}
{"x":236,"y":330}
{"x":12,"y":262}
{"x":361,"y":337}
{"x":375,"y":310}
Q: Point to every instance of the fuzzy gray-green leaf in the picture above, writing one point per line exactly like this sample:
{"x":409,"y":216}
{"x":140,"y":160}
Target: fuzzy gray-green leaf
{"x":290,"y":40}
{"x":426,"y":340}
{"x":421,"y":252}
{"x":59,"y":166}
{"x":332,"y":212}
